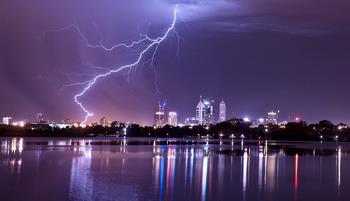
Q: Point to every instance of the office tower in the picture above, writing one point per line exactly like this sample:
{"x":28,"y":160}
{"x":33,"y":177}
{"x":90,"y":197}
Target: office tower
{"x":205,"y":112}
{"x":272,"y":117}
{"x":172,"y":118}
{"x":222,"y":111}
{"x":159,"y":116}
{"x":200,"y":112}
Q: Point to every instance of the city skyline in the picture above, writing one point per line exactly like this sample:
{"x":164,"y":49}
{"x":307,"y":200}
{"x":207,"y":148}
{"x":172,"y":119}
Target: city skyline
{"x":174,"y":100}
{"x":205,"y":112}
{"x":257,"y":59}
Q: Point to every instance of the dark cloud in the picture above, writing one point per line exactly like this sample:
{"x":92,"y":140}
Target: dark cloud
{"x":295,"y":17}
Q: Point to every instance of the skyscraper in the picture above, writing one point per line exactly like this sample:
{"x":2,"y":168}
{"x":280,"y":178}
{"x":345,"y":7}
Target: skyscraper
{"x":200,"y":111}
{"x":172,"y":119}
{"x":205,"y":112}
{"x":272,"y":117}
{"x":159,"y":115}
{"x":222,"y":112}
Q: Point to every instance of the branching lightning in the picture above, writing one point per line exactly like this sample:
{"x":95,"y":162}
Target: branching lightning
{"x":148,"y":45}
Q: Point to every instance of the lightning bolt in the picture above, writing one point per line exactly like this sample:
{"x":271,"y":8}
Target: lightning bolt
{"x":152,"y":43}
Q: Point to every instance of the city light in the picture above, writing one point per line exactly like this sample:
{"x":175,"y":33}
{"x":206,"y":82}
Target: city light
{"x":246,"y":119}
{"x":175,"y":100}
{"x":172,"y":119}
{"x":19,"y":123}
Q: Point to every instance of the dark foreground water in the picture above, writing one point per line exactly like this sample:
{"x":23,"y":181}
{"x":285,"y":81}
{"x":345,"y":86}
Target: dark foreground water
{"x":161,"y":170}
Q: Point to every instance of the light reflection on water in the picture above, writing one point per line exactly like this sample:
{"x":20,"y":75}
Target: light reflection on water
{"x":95,"y":169}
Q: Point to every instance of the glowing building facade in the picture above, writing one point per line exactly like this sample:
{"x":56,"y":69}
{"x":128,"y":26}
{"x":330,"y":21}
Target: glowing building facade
{"x":222,"y":111}
{"x":159,"y":115}
{"x":205,"y":112}
{"x":7,"y":120}
{"x":191,"y":121}
{"x":272,"y":117}
{"x":172,"y":118}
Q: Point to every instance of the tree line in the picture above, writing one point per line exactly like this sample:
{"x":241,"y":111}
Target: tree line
{"x":234,"y":128}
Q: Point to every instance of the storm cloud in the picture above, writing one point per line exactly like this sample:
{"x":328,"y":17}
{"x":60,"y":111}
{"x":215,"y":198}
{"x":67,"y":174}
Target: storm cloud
{"x":258,"y":55}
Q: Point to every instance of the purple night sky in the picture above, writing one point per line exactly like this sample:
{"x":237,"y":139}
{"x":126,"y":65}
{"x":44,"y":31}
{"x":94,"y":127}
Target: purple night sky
{"x":258,"y":55}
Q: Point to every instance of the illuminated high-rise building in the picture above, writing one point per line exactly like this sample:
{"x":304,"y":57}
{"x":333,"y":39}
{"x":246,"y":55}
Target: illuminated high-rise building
{"x":205,"y":112}
{"x":7,"y":120}
{"x":222,"y":111}
{"x":200,"y":111}
{"x":159,"y":115}
{"x":172,"y":118}
{"x":272,"y":117}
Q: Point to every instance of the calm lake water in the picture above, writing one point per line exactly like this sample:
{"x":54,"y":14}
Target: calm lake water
{"x":43,"y":169}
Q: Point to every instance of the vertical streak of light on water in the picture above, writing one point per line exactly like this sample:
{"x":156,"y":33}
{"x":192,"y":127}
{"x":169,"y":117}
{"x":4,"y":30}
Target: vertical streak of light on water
{"x":173,"y":165}
{"x":156,"y":166}
{"x":277,"y":172}
{"x":271,"y":172}
{"x":186,"y":168}
{"x":296,"y":176}
{"x":245,"y":173}
{"x":204,"y":177}
{"x":80,"y":180}
{"x":191,"y":167}
{"x":210,"y":178}
{"x":265,"y":165}
{"x":260,"y":175}
{"x":339,"y":168}
{"x":162,"y":164}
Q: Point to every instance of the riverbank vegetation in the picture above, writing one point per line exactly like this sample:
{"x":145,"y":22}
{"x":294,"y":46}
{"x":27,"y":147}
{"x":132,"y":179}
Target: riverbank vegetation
{"x":234,"y":128}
